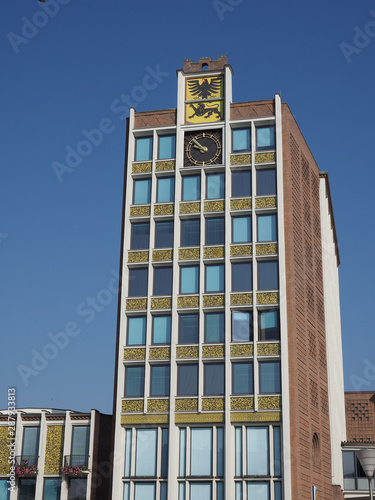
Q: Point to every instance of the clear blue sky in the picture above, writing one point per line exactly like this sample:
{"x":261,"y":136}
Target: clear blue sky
{"x":60,"y":241}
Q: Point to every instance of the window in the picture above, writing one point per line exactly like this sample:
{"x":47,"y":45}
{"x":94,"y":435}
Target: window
{"x":266,"y":182}
{"x":269,"y":377}
{"x":267,"y":227}
{"x":257,"y":444}
{"x":240,"y":140}
{"x":165,"y":189}
{"x":242,"y":276}
{"x":30,"y":445}
{"x":215,"y":186}
{"x":4,"y":491}
{"x":134,"y":381}
{"x":190,"y":233}
{"x":214,"y":379}
{"x":242,"y":326}
{"x":167,"y":147}
{"x":191,"y":188}
{"x":160,"y":380}
{"x":265,"y":138}
{"x":215,"y":231}
{"x":77,"y":488}
{"x":241,"y":184}
{"x":144,"y":491}
{"x":269,"y":327}
{"x":80,"y":445}
{"x":142,"y":191}
{"x":161,"y":329}
{"x":136,"y":330}
{"x":214,"y":327}
{"x":187,"y":380}
{"x":242,"y":378}
{"x":268,"y":275}
{"x":163,"y":280}
{"x":143,"y":148}
{"x":214,"y":278}
{"x":26,"y":489}
{"x":164,"y":234}
{"x":189,"y":279}
{"x":147,"y":461}
{"x":201,"y":452}
{"x":241,"y":229}
{"x":140,"y":238}
{"x":138,"y":282}
{"x":354,"y":475}
{"x":188,"y":329}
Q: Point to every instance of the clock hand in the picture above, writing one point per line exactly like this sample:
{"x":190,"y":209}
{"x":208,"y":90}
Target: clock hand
{"x":202,"y":149}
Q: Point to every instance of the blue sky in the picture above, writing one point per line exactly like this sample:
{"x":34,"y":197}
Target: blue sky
{"x":63,"y":72}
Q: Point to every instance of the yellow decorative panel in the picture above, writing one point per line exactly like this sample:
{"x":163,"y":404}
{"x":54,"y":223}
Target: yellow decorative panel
{"x":198,"y":418}
{"x":265,"y":157}
{"x":188,"y":253}
{"x":269,"y":402}
{"x":209,"y":111}
{"x":213,"y":300}
{"x":213,"y":351}
{"x":267,"y":297}
{"x":213,"y":404}
{"x":4,"y":450}
{"x":54,"y":449}
{"x":161,"y":302}
{"x":188,"y":301}
{"x":213,"y":206}
{"x":265,"y":202}
{"x":213,"y":252}
{"x":157,"y":405}
{"x":266,"y":249}
{"x":162,"y":255}
{"x":138,"y":168}
{"x":165,"y":165}
{"x":241,"y":299}
{"x":144,"y":419}
{"x":214,"y":89}
{"x":138,"y":256}
{"x":189,"y":351}
{"x":240,"y":204}
{"x":241,"y":250}
{"x":159,"y":353}
{"x":244,"y":159}
{"x":140,"y":211}
{"x":164,"y":209}
{"x":186,"y":404}
{"x":237,"y":350}
{"x":132,"y":406}
{"x":261,"y":416}
{"x":136,"y":304}
{"x":268,"y":349}
{"x":190,"y":208}
{"x":135,"y":353}
{"x":242,"y":403}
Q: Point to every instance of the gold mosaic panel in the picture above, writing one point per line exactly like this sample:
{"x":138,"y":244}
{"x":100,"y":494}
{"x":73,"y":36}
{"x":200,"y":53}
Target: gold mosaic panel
{"x":267,"y":298}
{"x":144,"y":419}
{"x":213,"y":351}
{"x":213,"y":300}
{"x":268,"y":349}
{"x":213,"y":206}
{"x":265,"y":157}
{"x":266,"y":249}
{"x":186,"y":404}
{"x":188,"y":301}
{"x":261,"y":416}
{"x":269,"y":402}
{"x":161,"y":302}
{"x":138,"y":256}
{"x":213,"y":404}
{"x":198,"y":418}
{"x":237,"y":350}
{"x":188,"y":253}
{"x":162,"y":255}
{"x":54,"y":449}
{"x":135,"y":353}
{"x":240,"y":204}
{"x":164,"y":209}
{"x":244,"y":159}
{"x":213,"y":252}
{"x":159,"y":353}
{"x":241,"y":299}
{"x":136,"y":304}
{"x":265,"y":202}
{"x":165,"y":165}
{"x":190,"y":208}
{"x":132,"y":406}
{"x":139,"y":168}
{"x":157,"y":405}
{"x":242,"y":403}
{"x":140,"y":211}
{"x":4,"y":450}
{"x":189,"y":351}
{"x":241,"y":250}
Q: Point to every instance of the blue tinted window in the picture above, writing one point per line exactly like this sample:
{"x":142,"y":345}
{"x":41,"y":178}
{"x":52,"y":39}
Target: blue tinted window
{"x":191,"y":188}
{"x":242,"y":380}
{"x":140,"y":235}
{"x":215,"y":231}
{"x":269,"y":328}
{"x":214,"y":379}
{"x":240,"y":139}
{"x":136,"y":330}
{"x":142,"y":191}
{"x":138,"y":282}
{"x":52,"y":489}
{"x":269,"y":375}
{"x":241,"y":276}
{"x":241,"y":229}
{"x":160,"y":380}
{"x":190,"y":233}
{"x":163,"y":280}
{"x":268,"y":275}
{"x":164,"y":234}
{"x":215,"y":278}
{"x":167,"y":146}
{"x":187,"y":380}
{"x":258,"y":459}
{"x":266,"y":138}
{"x":215,"y":186}
{"x":146,"y":452}
{"x":188,"y":329}
{"x":242,"y":326}
{"x":189,"y":279}
{"x":143,"y":149}
{"x":266,"y":182}
{"x":201,"y":452}
{"x":161,"y":330}
{"x":241,"y":184}
{"x":267,"y":228}
{"x":165,"y":189}
{"x":214,"y":327}
{"x":134,"y":381}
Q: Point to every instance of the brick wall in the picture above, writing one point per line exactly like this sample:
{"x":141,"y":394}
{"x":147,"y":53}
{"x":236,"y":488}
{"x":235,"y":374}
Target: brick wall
{"x":360,"y":416}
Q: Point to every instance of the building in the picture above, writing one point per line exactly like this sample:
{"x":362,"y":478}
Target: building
{"x":229,"y":378}
{"x":50,"y":454}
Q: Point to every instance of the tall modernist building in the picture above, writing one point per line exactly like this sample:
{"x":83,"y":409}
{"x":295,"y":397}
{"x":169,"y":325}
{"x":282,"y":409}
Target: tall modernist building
{"x":229,"y":379}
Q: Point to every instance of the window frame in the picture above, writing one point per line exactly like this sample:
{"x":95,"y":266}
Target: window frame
{"x":221,"y":185}
{"x":251,"y":324}
{"x":142,"y":392}
{"x":183,"y":235}
{"x":196,"y":290}
{"x":238,"y":173}
{"x":162,"y":281}
{"x":164,"y":136}
{"x":157,"y":236}
{"x":143,"y":246}
{"x":209,"y":220}
{"x":131,"y":271}
{"x":148,"y":198}
{"x":147,"y":157}
{"x":167,"y":380}
{"x":242,"y":150}
{"x":161,"y":179}
{"x":221,"y":267}
{"x":265,"y":148}
{"x":235,"y":287}
{"x":180,"y":333}
{"x":199,"y":187}
{"x":179,"y":377}
{"x":219,"y":378}
{"x":242,"y":242}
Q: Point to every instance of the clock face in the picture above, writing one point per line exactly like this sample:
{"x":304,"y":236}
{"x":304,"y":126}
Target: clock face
{"x":203,"y":148}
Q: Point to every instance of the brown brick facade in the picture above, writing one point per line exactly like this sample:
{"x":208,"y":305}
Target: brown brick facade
{"x":360,"y":416}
